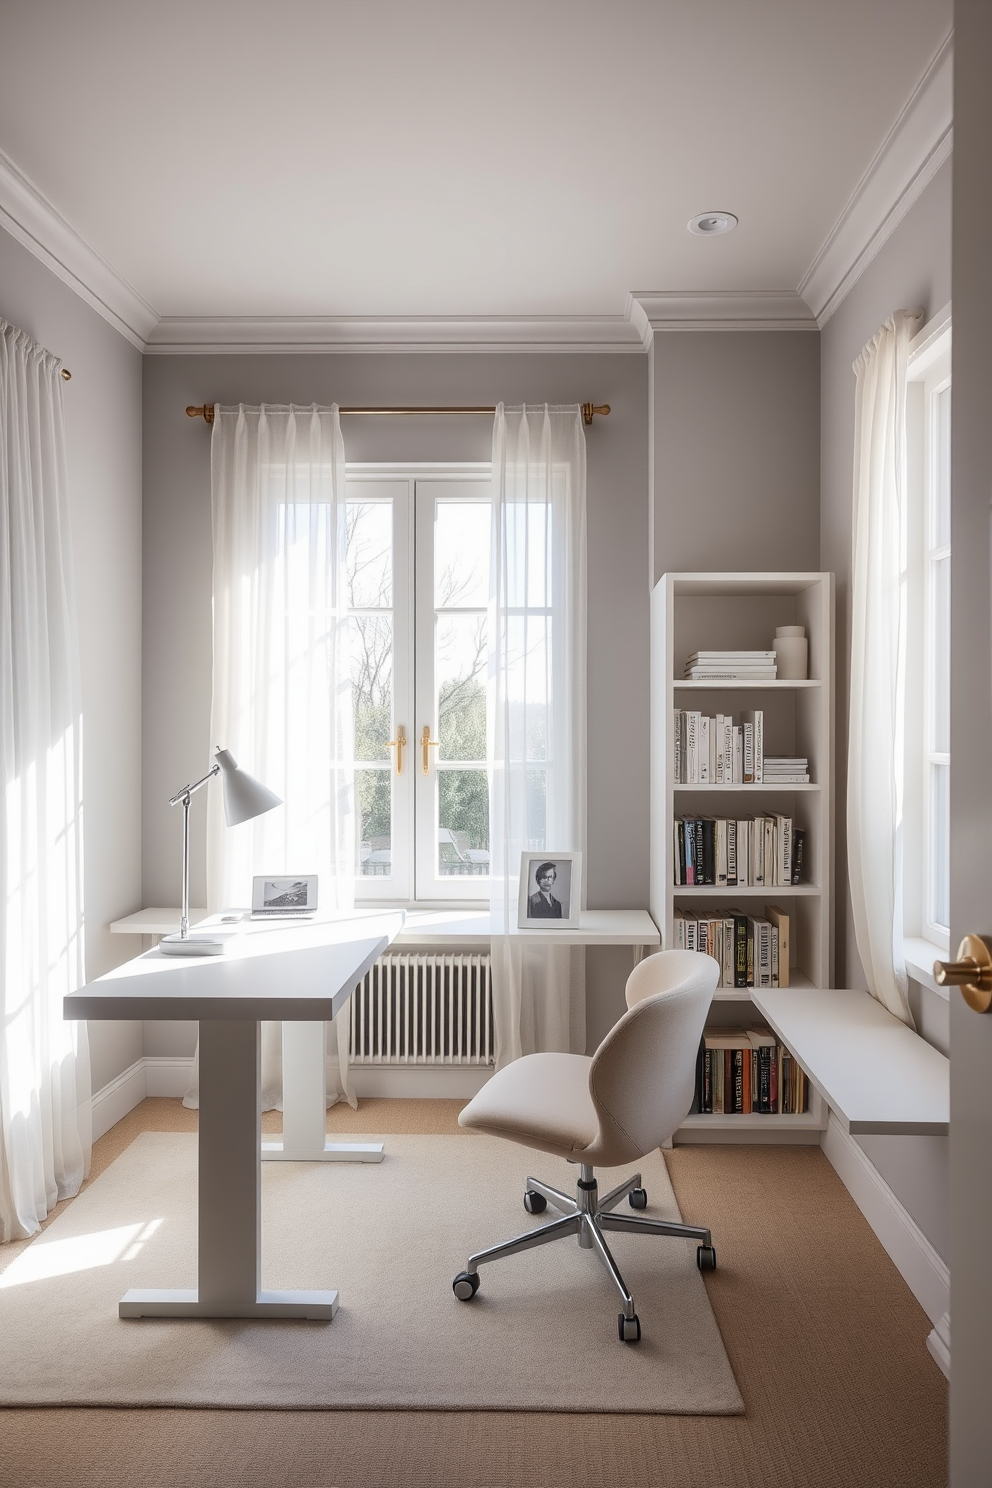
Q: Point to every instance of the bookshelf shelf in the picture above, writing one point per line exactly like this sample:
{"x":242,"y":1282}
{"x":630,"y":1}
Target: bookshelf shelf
{"x":688,"y":684}
{"x":717,"y":891}
{"x":714,"y":611}
{"x":747,"y":790}
{"x":808,"y":1121}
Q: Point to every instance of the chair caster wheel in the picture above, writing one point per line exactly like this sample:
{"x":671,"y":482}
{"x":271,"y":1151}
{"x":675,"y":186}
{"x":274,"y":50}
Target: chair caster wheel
{"x":629,"y":1329}
{"x":465,"y":1285}
{"x":638,"y":1198}
{"x":705,"y":1257}
{"x":535,"y":1203}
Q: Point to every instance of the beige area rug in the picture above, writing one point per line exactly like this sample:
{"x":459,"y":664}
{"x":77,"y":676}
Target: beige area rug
{"x":539,"y":1336}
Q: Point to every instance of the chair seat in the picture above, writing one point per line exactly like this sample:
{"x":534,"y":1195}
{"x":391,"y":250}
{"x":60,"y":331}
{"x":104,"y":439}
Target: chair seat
{"x":541,"y":1101}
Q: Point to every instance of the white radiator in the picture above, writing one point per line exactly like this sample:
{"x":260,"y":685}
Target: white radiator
{"x":423,"y":1010}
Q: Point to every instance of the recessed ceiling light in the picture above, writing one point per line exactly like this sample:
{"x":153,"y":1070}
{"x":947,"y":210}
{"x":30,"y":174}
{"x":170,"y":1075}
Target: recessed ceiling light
{"x":711,"y":224}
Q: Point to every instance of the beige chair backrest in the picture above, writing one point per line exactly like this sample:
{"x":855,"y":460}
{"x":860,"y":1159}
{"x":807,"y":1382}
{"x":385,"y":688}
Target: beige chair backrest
{"x":642,"y":1075}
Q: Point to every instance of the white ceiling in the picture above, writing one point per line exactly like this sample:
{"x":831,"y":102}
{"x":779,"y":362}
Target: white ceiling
{"x":452,"y":158}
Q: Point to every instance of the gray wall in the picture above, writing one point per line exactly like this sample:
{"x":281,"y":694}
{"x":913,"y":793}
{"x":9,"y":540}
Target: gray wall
{"x":736,"y":451}
{"x":103,"y":440}
{"x":177,"y":577}
{"x":911,"y":271}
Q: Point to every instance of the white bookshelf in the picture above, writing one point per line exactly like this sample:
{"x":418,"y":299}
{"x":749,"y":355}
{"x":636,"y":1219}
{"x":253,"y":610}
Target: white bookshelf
{"x":715,"y":611}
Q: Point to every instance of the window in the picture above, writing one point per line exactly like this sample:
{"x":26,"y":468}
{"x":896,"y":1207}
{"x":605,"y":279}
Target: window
{"x":418,"y":570}
{"x":928,"y":552}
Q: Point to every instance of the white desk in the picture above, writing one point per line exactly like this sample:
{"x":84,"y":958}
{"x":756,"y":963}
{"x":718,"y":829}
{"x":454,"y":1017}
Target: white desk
{"x":294,"y":974}
{"x":877,"y":1075}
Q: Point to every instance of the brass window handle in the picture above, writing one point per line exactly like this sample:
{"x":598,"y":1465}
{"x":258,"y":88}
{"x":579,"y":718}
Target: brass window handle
{"x":399,"y":744}
{"x":972,"y":972}
{"x":426,"y":745}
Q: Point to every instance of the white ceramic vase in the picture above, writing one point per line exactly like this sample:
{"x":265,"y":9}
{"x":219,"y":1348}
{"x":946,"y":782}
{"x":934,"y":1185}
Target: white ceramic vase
{"x":791,"y":653}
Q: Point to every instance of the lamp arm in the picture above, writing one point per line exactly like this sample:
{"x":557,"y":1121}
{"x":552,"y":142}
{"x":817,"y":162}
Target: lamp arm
{"x":187,"y":790}
{"x":183,"y":797}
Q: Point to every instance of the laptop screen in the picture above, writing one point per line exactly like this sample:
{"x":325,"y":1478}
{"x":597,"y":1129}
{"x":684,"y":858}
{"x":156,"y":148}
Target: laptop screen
{"x":284,"y":894}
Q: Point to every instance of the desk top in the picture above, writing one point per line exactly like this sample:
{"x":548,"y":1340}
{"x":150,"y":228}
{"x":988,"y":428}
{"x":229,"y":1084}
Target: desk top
{"x":468,"y":926}
{"x":290,"y":973}
{"x":877,"y":1075}
{"x":445,"y":926}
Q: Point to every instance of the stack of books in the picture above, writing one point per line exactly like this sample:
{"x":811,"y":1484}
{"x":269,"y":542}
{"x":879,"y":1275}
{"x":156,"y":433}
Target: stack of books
{"x":745,"y":853}
{"x":785,"y":770}
{"x":751,"y":950}
{"x":745,"y":1071}
{"x":718,"y":751}
{"x":731,"y":666}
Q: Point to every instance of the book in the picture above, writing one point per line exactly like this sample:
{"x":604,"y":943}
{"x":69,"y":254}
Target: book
{"x":759,"y":656}
{"x":691,"y":748}
{"x":754,"y":719}
{"x":764,"y":1056}
{"x":720,"y":850}
{"x":704,"y":750}
{"x":707,"y":827}
{"x":737,"y":1071}
{"x":731,"y":852}
{"x":798,"y":849}
{"x":778,"y":917}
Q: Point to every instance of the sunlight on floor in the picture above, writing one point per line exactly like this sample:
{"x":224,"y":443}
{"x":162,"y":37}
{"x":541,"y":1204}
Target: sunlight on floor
{"x":45,"y":1259}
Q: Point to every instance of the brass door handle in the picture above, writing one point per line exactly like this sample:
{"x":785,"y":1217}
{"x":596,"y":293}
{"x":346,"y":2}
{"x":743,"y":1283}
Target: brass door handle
{"x":399,"y":744}
{"x":426,"y":745}
{"x":972,"y":972}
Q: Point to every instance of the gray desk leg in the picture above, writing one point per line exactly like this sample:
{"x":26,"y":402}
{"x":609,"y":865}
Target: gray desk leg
{"x":229,"y":1221}
{"x":304,"y":1105}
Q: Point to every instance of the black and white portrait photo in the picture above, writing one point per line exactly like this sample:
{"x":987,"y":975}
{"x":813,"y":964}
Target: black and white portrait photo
{"x":549,"y":897}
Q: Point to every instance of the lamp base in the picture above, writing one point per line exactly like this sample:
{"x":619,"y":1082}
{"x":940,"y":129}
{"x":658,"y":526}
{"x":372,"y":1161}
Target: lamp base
{"x":193,"y":945}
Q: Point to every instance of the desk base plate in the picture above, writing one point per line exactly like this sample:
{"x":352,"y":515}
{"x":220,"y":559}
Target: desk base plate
{"x":160,"y":1303}
{"x":331,"y":1152}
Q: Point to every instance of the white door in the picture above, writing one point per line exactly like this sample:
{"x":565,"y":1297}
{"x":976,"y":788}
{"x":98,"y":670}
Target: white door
{"x":418,"y":570}
{"x":450,"y":773}
{"x":971,"y":747}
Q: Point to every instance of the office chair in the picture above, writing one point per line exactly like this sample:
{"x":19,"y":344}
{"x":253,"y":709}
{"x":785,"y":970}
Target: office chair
{"x":605,"y":1110}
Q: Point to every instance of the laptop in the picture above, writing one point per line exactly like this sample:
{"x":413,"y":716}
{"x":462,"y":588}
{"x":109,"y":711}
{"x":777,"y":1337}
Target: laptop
{"x":288,"y":897}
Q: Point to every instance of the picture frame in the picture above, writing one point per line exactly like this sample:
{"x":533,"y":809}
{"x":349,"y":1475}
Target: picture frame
{"x":550,"y":891}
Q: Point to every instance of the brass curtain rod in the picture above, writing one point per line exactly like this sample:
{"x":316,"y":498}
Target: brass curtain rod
{"x":206,"y":411}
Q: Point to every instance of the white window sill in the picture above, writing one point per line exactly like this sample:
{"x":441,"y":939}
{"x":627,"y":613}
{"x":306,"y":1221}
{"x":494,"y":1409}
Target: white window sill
{"x":920,"y":956}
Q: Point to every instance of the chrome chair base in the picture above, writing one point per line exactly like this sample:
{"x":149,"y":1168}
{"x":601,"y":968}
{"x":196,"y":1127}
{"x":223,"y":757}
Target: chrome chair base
{"x":587,"y":1216}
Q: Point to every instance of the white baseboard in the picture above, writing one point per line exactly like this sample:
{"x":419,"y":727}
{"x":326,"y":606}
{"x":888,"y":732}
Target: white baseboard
{"x":112,"y":1103}
{"x":170,"y":1075}
{"x":427,"y":1082}
{"x":939,"y":1344}
{"x":919,"y":1265}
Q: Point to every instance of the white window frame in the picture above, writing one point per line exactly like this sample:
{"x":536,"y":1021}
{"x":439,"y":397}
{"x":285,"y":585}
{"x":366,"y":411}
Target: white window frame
{"x":413,"y":880}
{"x":929,"y":374}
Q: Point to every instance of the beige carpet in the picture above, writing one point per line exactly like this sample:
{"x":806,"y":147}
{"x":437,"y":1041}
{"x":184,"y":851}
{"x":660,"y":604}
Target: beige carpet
{"x":541,"y":1334}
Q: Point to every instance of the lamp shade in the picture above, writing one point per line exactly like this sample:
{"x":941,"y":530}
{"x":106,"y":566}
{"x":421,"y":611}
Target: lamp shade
{"x":244,"y":796}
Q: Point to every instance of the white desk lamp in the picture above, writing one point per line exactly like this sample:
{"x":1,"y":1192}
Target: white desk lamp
{"x":244,"y":798}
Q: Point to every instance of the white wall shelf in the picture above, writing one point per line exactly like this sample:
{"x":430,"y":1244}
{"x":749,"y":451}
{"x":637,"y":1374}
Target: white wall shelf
{"x":715,"y":611}
{"x":877,"y":1075}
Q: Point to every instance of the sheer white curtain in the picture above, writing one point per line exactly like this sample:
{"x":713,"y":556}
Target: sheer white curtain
{"x":44,"y":1061}
{"x":878,"y":630}
{"x":536,"y":711}
{"x":282,"y":682}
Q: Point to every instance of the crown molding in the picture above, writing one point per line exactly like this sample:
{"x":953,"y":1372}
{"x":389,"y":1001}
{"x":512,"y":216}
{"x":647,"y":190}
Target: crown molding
{"x":909,"y":157}
{"x":716,"y":310}
{"x":214,"y":335}
{"x":30,"y":218}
